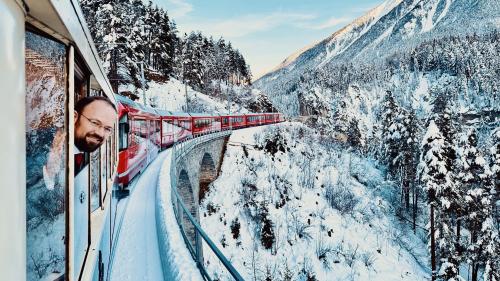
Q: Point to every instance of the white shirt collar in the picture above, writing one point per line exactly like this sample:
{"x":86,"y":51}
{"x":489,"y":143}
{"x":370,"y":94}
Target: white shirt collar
{"x":76,"y":150}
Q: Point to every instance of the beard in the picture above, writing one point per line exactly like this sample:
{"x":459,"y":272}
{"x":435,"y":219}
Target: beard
{"x":89,"y":143}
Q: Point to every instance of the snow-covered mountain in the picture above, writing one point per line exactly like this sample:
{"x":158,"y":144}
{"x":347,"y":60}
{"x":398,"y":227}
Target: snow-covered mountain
{"x":410,"y":82}
{"x":393,"y":26}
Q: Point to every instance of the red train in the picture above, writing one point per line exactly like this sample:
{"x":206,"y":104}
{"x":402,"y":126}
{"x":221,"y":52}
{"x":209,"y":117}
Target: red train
{"x":145,"y":131}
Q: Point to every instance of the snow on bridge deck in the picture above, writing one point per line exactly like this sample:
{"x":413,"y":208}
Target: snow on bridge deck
{"x":137,"y":256}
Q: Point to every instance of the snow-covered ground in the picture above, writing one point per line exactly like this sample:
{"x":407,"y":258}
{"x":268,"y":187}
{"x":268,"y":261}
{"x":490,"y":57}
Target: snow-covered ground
{"x":177,"y":260}
{"x":320,"y":211}
{"x":172,"y":96}
{"x":137,"y":255}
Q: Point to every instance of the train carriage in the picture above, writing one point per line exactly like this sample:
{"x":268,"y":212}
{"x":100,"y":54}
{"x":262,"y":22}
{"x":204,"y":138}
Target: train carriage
{"x":205,"y":123}
{"x":268,"y":118}
{"x":232,"y":121}
{"x":167,"y":129}
{"x":48,"y":63}
{"x":140,"y":138}
{"x":254,"y":119}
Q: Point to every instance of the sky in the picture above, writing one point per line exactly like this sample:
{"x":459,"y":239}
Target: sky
{"x":265,"y":32}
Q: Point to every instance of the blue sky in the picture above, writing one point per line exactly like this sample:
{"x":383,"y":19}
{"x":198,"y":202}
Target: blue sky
{"x":266,"y":32}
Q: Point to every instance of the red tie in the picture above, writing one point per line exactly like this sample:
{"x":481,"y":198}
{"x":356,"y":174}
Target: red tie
{"x":79,"y":158}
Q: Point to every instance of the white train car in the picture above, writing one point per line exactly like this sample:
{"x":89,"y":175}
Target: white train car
{"x":57,"y":228}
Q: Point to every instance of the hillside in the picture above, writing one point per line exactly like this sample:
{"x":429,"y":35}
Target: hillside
{"x":414,"y":85}
{"x":289,"y":207}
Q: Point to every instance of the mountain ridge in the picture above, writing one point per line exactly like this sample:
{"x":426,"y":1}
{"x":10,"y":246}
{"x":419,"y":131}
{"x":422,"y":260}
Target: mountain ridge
{"x":387,"y":28}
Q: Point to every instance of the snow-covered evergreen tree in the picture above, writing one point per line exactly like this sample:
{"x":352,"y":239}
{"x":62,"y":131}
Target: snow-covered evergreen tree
{"x":390,"y":130}
{"x":475,"y":178}
{"x":435,"y":174}
{"x":192,"y":57}
{"x":490,"y":228}
{"x":130,"y":32}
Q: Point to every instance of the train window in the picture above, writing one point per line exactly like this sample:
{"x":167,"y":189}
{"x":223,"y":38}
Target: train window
{"x":151,"y":130}
{"x":82,"y":184}
{"x":104,"y":171}
{"x":46,"y":157}
{"x":95,"y":162}
{"x":123,"y":130}
{"x":113,"y":146}
{"x":108,"y":150}
{"x":144,"y":129}
{"x":95,"y":200}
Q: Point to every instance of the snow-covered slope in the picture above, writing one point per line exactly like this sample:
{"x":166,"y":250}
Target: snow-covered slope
{"x":390,"y":27}
{"x":287,"y":208}
{"x":171,"y":96}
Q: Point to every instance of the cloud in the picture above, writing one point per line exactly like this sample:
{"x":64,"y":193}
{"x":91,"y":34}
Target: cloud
{"x":177,"y":8}
{"x":248,"y":24}
{"x":330,"y":23}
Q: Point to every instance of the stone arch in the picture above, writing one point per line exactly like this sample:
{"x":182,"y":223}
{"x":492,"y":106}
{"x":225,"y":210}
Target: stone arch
{"x":208,"y":174}
{"x":187,"y":196}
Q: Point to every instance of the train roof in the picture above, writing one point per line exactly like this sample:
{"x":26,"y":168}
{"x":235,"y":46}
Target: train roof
{"x":180,"y":113}
{"x":134,"y":107}
{"x":253,"y":114}
{"x":203,"y":115}
{"x":163,"y":112}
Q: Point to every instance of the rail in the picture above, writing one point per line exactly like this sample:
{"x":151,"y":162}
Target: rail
{"x":179,"y":150}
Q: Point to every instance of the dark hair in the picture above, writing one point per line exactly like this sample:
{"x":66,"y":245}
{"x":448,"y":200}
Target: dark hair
{"x":82,"y":103}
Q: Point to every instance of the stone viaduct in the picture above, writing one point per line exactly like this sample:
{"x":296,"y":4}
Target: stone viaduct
{"x":195,"y":171}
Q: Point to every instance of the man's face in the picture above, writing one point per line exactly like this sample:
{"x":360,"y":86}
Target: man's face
{"x":93,"y":124}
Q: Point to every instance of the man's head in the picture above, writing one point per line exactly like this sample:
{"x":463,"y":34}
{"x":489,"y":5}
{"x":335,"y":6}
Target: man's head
{"x":94,"y":121}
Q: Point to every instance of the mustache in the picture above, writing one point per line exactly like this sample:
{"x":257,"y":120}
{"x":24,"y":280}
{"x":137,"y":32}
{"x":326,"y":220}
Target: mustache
{"x":99,"y":138}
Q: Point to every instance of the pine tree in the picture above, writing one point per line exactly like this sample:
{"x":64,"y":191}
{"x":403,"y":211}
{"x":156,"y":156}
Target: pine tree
{"x":495,"y":169}
{"x":192,"y":60}
{"x":490,"y":232}
{"x":474,"y":176}
{"x":435,"y":175}
{"x":409,"y":151}
{"x":390,"y":132}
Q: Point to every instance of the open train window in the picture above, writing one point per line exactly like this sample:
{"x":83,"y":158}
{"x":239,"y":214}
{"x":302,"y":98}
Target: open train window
{"x":123,"y":130}
{"x":82,"y":184}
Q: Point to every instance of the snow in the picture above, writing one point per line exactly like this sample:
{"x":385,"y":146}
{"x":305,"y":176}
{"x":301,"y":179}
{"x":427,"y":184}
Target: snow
{"x":384,"y":35}
{"x":347,"y":36}
{"x":422,"y":96}
{"x":362,"y":244}
{"x":427,"y":23}
{"x":291,"y":59}
{"x":445,"y":11}
{"x":172,"y":247}
{"x":137,"y":255}
{"x":171,"y":96}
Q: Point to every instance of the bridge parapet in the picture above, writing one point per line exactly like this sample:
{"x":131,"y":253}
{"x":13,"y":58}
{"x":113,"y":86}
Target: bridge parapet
{"x":206,"y":153}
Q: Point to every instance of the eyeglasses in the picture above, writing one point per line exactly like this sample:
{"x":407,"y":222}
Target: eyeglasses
{"x":97,"y":124}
